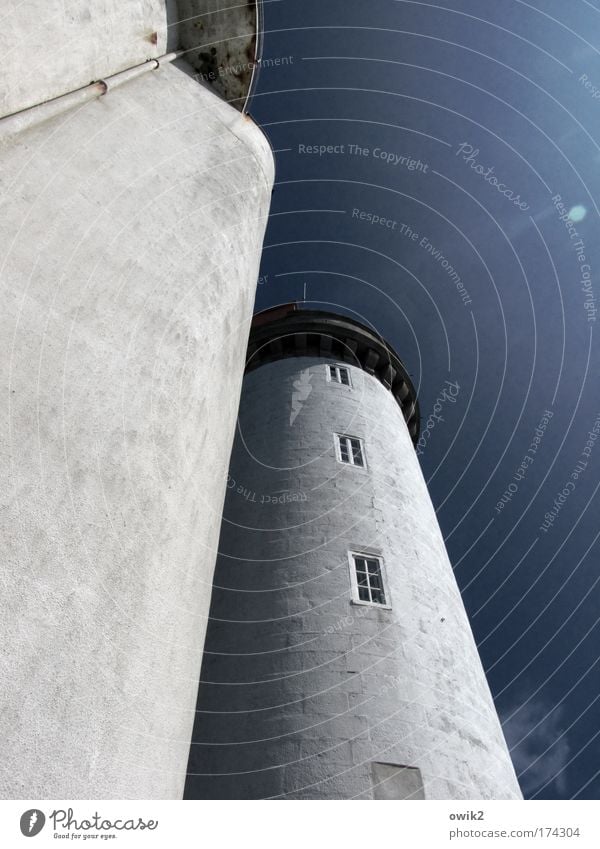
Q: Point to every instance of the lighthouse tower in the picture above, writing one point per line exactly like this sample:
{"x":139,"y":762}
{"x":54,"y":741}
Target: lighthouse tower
{"x":339,"y":661}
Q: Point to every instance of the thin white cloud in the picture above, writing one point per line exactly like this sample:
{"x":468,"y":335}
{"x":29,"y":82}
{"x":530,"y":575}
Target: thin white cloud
{"x":539,"y":749}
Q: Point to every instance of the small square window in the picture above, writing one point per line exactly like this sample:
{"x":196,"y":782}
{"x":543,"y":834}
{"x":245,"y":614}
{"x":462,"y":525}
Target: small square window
{"x":350,"y":450}
{"x":338,"y":374}
{"x":368,"y":580}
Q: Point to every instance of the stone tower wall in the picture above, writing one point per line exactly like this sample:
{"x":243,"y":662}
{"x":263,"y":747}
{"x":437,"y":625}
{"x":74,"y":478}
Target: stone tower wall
{"x":304,"y":693}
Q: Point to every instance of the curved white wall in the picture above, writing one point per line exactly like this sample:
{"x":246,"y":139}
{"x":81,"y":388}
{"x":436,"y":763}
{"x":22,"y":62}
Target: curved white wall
{"x":131,"y":231}
{"x":50,"y":47}
{"x":304,"y":694}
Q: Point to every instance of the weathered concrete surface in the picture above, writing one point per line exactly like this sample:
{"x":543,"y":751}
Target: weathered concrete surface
{"x":131,"y":232}
{"x":219,"y":38}
{"x":51,"y":47}
{"x":304,"y":694}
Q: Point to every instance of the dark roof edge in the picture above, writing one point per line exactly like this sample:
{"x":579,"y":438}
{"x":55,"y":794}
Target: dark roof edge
{"x":288,"y":331}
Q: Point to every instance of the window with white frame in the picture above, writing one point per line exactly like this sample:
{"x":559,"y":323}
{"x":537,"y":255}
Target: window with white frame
{"x":338,"y":374}
{"x":350,"y":450}
{"x":368,"y":579}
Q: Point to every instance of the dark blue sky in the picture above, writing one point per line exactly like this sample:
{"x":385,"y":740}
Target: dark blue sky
{"x":496,"y":103}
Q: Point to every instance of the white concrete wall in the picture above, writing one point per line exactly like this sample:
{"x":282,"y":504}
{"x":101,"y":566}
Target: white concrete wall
{"x":309,"y":693}
{"x":131,"y":233}
{"x":50,"y":47}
